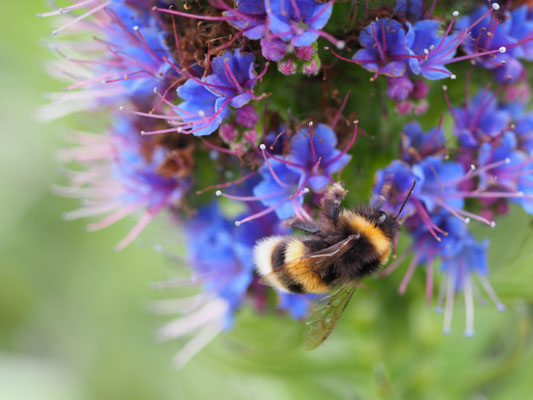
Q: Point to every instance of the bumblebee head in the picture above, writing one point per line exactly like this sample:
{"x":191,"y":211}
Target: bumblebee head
{"x":387,"y":222}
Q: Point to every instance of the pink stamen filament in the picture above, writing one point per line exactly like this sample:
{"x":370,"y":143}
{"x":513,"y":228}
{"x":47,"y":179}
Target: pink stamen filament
{"x":250,"y":198}
{"x":195,"y":16}
{"x":261,"y":213}
{"x":341,"y":109}
{"x":81,"y":17}
{"x":409,"y":273}
{"x":342,"y":153}
{"x":450,"y":295}
{"x":64,"y":10}
{"x":152,"y":55}
{"x":139,"y":227}
{"x":426,"y":219}
{"x":228,"y":184}
{"x":396,"y":262}
{"x":274,"y":175}
{"x":429,"y":281}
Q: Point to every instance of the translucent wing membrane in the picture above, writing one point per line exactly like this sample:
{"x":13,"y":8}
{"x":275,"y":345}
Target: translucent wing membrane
{"x":324,"y":315}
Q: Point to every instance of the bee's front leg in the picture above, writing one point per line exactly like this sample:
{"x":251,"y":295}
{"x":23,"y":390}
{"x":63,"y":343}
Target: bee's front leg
{"x":331,"y":202}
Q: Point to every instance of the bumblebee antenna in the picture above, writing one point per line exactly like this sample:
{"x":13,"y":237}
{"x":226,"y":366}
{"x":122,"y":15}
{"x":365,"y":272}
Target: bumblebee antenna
{"x":406,"y":199}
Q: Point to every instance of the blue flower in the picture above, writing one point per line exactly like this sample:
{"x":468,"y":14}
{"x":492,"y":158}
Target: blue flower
{"x":125,"y":61}
{"x":386,"y":45}
{"x":521,"y":29}
{"x":413,"y":10}
{"x":439,"y":182}
{"x":433,"y":51}
{"x":227,"y":268}
{"x":481,"y":41}
{"x":207,"y":101}
{"x":298,"y":21}
{"x":400,"y":176}
{"x":295,"y":304}
{"x":460,"y":256}
{"x":506,"y":161}
{"x":279,"y":183}
{"x":481,"y":120}
{"x":122,"y":177}
{"x":250,"y":17}
{"x":315,"y":153}
{"x":280,"y":24}
{"x":417,"y":144}
{"x":469,"y":259}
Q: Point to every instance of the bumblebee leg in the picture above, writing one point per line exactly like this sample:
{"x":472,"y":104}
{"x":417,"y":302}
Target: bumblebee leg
{"x":331,"y":202}
{"x":307,"y":227}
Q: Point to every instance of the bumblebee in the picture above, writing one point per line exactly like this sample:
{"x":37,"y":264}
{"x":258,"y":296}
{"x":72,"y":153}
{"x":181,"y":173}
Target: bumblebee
{"x":339,"y":250}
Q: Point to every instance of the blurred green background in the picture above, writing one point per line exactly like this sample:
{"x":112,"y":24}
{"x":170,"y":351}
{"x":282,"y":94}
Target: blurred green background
{"x":74,"y":322}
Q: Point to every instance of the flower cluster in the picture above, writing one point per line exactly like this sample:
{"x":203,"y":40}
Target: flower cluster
{"x":201,"y":126}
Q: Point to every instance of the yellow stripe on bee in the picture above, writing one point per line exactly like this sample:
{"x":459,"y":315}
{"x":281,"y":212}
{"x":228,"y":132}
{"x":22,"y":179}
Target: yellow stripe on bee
{"x":301,"y":271}
{"x":373,"y":233}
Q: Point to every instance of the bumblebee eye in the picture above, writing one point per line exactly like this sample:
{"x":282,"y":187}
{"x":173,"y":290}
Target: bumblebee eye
{"x":382,"y":216}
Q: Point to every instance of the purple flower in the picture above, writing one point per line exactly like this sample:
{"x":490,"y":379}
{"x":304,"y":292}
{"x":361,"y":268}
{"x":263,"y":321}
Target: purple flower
{"x":521,"y":29}
{"x":297,"y":22}
{"x":413,"y":10}
{"x":399,"y":88}
{"x":225,"y":271}
{"x":417,"y":144}
{"x":386,"y":45}
{"x":480,"y":120}
{"x":281,"y":25}
{"x":124,"y":62}
{"x":469,"y":259}
{"x":433,"y":50}
{"x":207,"y":101}
{"x":295,"y":304}
{"x":524,"y":133}
{"x":280,"y":189}
{"x":481,"y":41}
{"x":314,"y":153}
{"x":249,"y":17}
{"x":460,"y":256}
{"x":120,"y":178}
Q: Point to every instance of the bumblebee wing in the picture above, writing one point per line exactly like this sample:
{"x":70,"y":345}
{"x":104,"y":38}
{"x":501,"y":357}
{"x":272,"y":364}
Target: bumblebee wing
{"x":316,"y":261}
{"x":324,"y":314}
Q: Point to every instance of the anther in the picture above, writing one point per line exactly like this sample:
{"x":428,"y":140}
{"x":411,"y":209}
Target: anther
{"x":237,"y":223}
{"x":508,"y":160}
{"x":262,"y":146}
{"x":453,"y":76}
{"x":135,"y":28}
{"x":495,"y":6}
{"x":201,"y":113}
{"x":444,"y":87}
{"x":467,"y":220}
{"x":472,"y":167}
{"x":492,"y":224}
{"x":502,"y":49}
{"x":340,"y":44}
{"x":121,"y":108}
{"x":455,"y":13}
{"x":218,"y":193}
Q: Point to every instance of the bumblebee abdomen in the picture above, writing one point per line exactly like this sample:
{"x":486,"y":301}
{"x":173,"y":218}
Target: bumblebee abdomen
{"x":280,"y":260}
